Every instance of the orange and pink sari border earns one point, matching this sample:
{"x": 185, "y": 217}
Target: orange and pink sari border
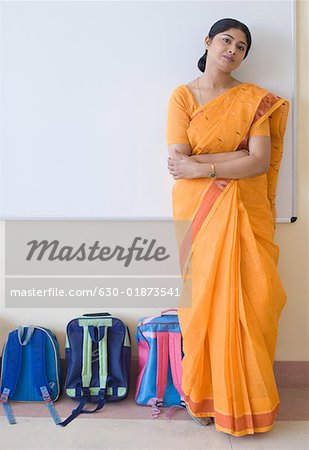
{"x": 209, "y": 199}
{"x": 233, "y": 425}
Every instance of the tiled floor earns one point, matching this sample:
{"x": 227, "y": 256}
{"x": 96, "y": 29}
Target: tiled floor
{"x": 108, "y": 434}
{"x": 125, "y": 425}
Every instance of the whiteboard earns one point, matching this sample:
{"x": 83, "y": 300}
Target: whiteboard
{"x": 84, "y": 95}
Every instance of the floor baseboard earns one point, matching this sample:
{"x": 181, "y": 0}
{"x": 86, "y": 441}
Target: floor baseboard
{"x": 288, "y": 374}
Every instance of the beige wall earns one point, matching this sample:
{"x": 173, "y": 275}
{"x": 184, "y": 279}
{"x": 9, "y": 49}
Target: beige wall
{"x": 292, "y": 239}
{"x": 293, "y": 338}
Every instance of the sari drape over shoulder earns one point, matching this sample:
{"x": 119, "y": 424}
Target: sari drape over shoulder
{"x": 230, "y": 330}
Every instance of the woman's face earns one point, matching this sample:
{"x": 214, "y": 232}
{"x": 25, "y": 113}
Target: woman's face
{"x": 229, "y": 44}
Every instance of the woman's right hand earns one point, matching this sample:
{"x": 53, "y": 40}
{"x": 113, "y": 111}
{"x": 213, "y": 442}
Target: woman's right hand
{"x": 220, "y": 157}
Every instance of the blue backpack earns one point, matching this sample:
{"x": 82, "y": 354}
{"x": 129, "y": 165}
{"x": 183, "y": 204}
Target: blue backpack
{"x": 159, "y": 349}
{"x": 98, "y": 358}
{"x": 30, "y": 369}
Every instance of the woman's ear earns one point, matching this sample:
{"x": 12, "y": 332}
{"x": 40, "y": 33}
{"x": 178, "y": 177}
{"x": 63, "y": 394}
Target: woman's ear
{"x": 206, "y": 42}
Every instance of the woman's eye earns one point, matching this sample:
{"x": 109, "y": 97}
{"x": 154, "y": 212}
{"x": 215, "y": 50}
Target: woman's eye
{"x": 240, "y": 48}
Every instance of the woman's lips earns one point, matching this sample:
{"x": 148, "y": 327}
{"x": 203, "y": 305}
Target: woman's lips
{"x": 228, "y": 59}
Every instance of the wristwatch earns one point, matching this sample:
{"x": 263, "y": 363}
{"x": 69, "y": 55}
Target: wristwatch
{"x": 213, "y": 173}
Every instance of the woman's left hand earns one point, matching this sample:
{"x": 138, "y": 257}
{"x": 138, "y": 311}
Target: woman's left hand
{"x": 182, "y": 166}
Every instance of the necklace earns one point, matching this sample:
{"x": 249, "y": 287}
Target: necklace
{"x": 200, "y": 93}
{"x": 198, "y": 86}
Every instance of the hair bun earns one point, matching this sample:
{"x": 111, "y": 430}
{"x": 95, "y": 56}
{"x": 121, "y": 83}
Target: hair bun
{"x": 202, "y": 62}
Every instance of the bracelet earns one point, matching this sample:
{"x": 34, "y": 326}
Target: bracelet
{"x": 213, "y": 173}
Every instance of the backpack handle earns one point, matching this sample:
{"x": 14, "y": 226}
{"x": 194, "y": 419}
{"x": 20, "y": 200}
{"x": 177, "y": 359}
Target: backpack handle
{"x": 96, "y": 314}
{"x": 167, "y": 310}
{"x": 149, "y": 319}
{"x": 29, "y": 333}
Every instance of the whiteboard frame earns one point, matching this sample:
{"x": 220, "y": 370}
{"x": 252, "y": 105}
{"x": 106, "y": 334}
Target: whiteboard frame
{"x": 294, "y": 118}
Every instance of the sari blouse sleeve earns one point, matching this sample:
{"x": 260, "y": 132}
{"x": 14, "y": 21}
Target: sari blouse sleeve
{"x": 178, "y": 120}
{"x": 261, "y": 130}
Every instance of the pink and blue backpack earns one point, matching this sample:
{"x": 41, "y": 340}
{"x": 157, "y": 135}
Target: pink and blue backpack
{"x": 159, "y": 345}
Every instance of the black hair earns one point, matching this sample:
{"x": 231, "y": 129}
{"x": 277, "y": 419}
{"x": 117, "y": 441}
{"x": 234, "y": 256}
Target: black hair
{"x": 219, "y": 27}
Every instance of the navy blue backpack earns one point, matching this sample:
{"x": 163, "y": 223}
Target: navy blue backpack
{"x": 98, "y": 359}
{"x": 30, "y": 369}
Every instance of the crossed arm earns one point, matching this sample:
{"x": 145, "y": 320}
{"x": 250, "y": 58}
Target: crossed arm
{"x": 233, "y": 165}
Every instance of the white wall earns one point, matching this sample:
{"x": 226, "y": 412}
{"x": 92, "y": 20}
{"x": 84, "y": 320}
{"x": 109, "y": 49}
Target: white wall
{"x": 292, "y": 239}
{"x": 86, "y": 86}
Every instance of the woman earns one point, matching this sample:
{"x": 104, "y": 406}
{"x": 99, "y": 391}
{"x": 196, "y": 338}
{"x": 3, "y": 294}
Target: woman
{"x": 225, "y": 143}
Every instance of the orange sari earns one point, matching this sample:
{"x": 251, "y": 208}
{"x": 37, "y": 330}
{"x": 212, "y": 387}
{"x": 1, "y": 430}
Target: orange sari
{"x": 230, "y": 330}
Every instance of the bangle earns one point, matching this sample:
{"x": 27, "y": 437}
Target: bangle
{"x": 213, "y": 173}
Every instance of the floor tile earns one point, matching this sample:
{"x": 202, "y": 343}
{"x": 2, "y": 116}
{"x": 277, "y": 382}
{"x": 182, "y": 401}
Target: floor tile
{"x": 294, "y": 404}
{"x": 109, "y": 434}
{"x": 292, "y": 435}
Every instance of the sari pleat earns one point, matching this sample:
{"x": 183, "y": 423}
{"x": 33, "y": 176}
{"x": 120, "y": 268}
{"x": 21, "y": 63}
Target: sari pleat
{"x": 230, "y": 330}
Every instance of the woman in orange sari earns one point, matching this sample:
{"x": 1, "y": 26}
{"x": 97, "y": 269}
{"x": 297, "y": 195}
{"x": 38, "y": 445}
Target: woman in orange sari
{"x": 225, "y": 141}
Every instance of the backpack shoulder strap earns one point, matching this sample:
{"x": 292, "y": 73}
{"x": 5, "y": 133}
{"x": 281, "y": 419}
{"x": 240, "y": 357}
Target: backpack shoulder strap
{"x": 162, "y": 365}
{"x": 100, "y": 337}
{"x": 102, "y": 343}
{"x": 175, "y": 362}
{"x": 176, "y": 370}
{"x": 38, "y": 359}
{"x": 162, "y": 373}
{"x": 11, "y": 370}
